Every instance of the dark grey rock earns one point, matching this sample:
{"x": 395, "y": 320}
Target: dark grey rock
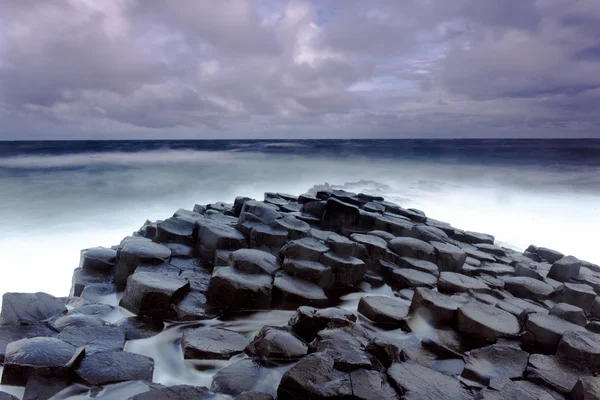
{"x": 551, "y": 372}
{"x": 475, "y": 237}
{"x": 371, "y": 385}
{"x": 495, "y": 363}
{"x": 308, "y": 248}
{"x": 314, "y": 377}
{"x": 6, "y": 396}
{"x": 179, "y": 392}
{"x": 234, "y": 290}
{"x": 580, "y": 347}
{"x": 569, "y": 313}
{"x": 548, "y": 330}
{"x": 98, "y": 291}
{"x": 383, "y": 309}
{"x": 412, "y": 263}
{"x": 28, "y": 308}
{"x": 311, "y": 271}
{"x": 435, "y": 308}
{"x": 276, "y": 344}
{"x": 402, "y": 278}
{"x": 136, "y": 252}
{"x": 26, "y": 357}
{"x": 266, "y": 213}
{"x": 152, "y": 294}
{"x": 548, "y": 254}
{"x": 95, "y": 339}
{"x": 519, "y": 390}
{"x": 214, "y": 236}
{"x": 295, "y": 227}
{"x": 375, "y": 247}
{"x": 486, "y": 322}
{"x": 382, "y": 234}
{"x": 177, "y": 230}
{"x": 84, "y": 278}
{"x": 12, "y": 333}
{"x": 493, "y": 269}
{"x": 290, "y": 292}
{"x": 193, "y": 307}
{"x": 43, "y": 387}
{"x": 396, "y": 225}
{"x": 387, "y": 347}
{"x": 98, "y": 259}
{"x": 212, "y": 343}
{"x": 418, "y": 382}
{"x": 140, "y": 328}
{"x": 348, "y": 271}
{"x": 528, "y": 288}
{"x": 338, "y": 214}
{"x": 451, "y": 282}
{"x": 478, "y": 255}
{"x": 565, "y": 269}
{"x": 264, "y": 236}
{"x": 254, "y": 396}
{"x": 237, "y": 378}
{"x": 428, "y": 233}
{"x": 491, "y": 249}
{"x": 576, "y": 294}
{"x": 449, "y": 257}
{"x": 251, "y": 261}
{"x": 308, "y": 321}
{"x": 413, "y": 248}
{"x": 79, "y": 320}
{"x": 593, "y": 326}
{"x": 111, "y": 367}
{"x": 346, "y": 350}
{"x": 527, "y": 271}
{"x": 586, "y": 388}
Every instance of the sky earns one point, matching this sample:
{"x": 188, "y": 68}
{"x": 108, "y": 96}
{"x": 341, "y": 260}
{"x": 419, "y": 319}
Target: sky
{"x": 157, "y": 69}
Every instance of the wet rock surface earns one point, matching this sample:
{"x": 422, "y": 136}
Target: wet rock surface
{"x": 325, "y": 295}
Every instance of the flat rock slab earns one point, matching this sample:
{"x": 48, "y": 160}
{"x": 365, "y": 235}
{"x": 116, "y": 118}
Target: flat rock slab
{"x": 308, "y": 321}
{"x": 495, "y": 363}
{"x": 435, "y": 308}
{"x": 212, "y": 344}
{"x": 486, "y": 322}
{"x": 291, "y": 292}
{"x": 548, "y": 330}
{"x": 383, "y": 309}
{"x": 98, "y": 258}
{"x": 346, "y": 350}
{"x": 413, "y": 248}
{"x": 418, "y": 382}
{"x": 27, "y": 308}
{"x": 414, "y": 263}
{"x": 314, "y": 377}
{"x": 79, "y": 320}
{"x": 552, "y": 372}
{"x": 25, "y": 356}
{"x": 234, "y": 290}
{"x": 12, "y": 333}
{"x": 140, "y": 328}
{"x": 569, "y": 313}
{"x": 565, "y": 269}
{"x": 403, "y": 278}
{"x": 528, "y": 288}
{"x": 152, "y": 294}
{"x": 451, "y": 282}
{"x": 252, "y": 261}
{"x": 348, "y": 271}
{"x": 371, "y": 385}
{"x": 276, "y": 344}
{"x": 580, "y": 347}
{"x": 577, "y": 294}
{"x": 308, "y": 248}
{"x": 450, "y": 258}
{"x": 111, "y": 367}
{"x": 179, "y": 392}
{"x": 135, "y": 252}
{"x": 312, "y": 271}
{"x": 95, "y": 339}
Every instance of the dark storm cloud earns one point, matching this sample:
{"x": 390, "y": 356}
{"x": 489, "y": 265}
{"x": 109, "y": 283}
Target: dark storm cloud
{"x": 266, "y": 68}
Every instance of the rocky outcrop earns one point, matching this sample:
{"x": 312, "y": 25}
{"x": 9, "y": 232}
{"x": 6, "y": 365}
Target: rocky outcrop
{"x": 325, "y": 295}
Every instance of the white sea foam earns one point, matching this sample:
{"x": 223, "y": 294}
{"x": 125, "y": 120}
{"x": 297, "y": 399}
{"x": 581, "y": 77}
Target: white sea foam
{"x": 48, "y": 215}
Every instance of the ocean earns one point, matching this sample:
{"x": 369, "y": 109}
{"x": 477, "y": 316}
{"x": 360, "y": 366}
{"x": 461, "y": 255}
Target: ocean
{"x": 58, "y": 197}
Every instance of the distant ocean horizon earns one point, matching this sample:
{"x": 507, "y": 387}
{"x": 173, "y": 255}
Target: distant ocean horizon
{"x": 58, "y": 197}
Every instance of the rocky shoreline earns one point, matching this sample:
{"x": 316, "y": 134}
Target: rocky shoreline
{"x": 379, "y": 302}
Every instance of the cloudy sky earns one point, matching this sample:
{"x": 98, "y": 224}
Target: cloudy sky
{"x": 273, "y": 68}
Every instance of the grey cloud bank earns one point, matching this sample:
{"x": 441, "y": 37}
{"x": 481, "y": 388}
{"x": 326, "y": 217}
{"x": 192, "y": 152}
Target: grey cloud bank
{"x": 83, "y": 69}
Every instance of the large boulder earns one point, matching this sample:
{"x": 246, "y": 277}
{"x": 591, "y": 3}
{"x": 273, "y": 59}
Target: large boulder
{"x": 28, "y": 308}
{"x": 418, "y": 382}
{"x": 548, "y": 330}
{"x": 308, "y": 321}
{"x": 98, "y": 259}
{"x": 27, "y": 357}
{"x": 273, "y": 343}
{"x": 308, "y": 248}
{"x": 339, "y": 214}
{"x": 348, "y": 271}
{"x": 251, "y": 261}
{"x": 580, "y": 347}
{"x": 451, "y": 282}
{"x": 314, "y": 377}
{"x": 383, "y": 309}
{"x": 548, "y": 254}
{"x": 486, "y": 322}
{"x": 345, "y": 348}
{"x": 565, "y": 269}
{"x": 290, "y": 292}
{"x": 112, "y": 367}
{"x": 410, "y": 263}
{"x": 296, "y": 228}
{"x": 449, "y": 257}
{"x": 311, "y": 271}
{"x": 136, "y": 252}
{"x": 569, "y": 313}
{"x": 413, "y": 248}
{"x": 528, "y": 288}
{"x": 152, "y": 294}
{"x": 495, "y": 363}
{"x": 212, "y": 343}
{"x": 213, "y": 236}
{"x": 403, "y": 278}
{"x": 234, "y": 290}
{"x": 176, "y": 230}
{"x": 577, "y": 294}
